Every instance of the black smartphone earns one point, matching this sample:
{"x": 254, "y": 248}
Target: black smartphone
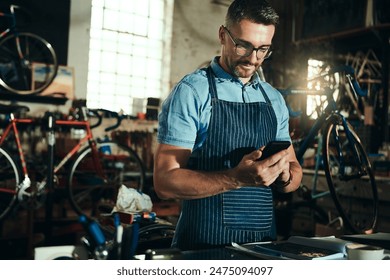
{"x": 273, "y": 147}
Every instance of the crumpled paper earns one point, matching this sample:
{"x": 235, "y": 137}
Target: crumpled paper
{"x": 131, "y": 200}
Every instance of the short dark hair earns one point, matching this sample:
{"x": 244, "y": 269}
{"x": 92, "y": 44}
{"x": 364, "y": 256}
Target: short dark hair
{"x": 257, "y": 11}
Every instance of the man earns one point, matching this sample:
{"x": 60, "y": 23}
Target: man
{"x": 212, "y": 130}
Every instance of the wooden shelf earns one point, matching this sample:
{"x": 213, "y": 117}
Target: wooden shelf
{"x": 4, "y": 95}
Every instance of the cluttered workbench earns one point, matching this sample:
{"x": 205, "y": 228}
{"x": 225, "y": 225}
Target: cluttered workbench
{"x": 135, "y": 242}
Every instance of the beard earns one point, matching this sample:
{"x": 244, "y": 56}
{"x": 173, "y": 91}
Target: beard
{"x": 244, "y": 73}
{"x": 244, "y": 69}
{"x": 240, "y": 68}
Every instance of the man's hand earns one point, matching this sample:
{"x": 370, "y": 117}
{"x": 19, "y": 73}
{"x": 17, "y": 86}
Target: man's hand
{"x": 253, "y": 172}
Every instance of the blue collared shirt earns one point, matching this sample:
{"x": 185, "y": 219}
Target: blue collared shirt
{"x": 185, "y": 114}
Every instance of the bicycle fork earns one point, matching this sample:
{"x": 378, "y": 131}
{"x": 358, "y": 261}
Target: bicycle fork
{"x": 25, "y": 194}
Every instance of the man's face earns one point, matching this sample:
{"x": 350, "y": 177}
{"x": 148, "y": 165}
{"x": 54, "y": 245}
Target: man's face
{"x": 248, "y": 35}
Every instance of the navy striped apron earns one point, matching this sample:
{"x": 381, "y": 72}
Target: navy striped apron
{"x": 242, "y": 215}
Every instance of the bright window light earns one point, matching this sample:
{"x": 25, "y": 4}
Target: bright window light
{"x": 319, "y": 79}
{"x": 129, "y": 53}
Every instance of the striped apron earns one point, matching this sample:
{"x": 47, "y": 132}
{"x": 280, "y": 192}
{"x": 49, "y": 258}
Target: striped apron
{"x": 242, "y": 215}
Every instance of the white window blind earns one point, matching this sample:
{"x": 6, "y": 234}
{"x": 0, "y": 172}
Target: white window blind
{"x": 129, "y": 53}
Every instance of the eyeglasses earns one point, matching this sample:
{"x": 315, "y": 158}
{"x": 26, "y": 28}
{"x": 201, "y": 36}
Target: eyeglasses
{"x": 247, "y": 50}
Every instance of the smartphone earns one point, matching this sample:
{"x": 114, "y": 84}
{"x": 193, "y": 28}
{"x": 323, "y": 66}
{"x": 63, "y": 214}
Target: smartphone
{"x": 273, "y": 147}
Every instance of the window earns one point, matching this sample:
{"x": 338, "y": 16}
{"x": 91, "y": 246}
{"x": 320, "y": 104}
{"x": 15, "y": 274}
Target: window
{"x": 129, "y": 53}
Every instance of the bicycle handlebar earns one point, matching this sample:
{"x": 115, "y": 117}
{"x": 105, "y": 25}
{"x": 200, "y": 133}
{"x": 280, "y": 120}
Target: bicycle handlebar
{"x": 119, "y": 117}
{"x": 355, "y": 86}
{"x": 12, "y": 14}
{"x": 349, "y": 74}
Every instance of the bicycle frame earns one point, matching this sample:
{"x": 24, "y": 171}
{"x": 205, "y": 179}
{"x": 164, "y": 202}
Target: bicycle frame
{"x": 88, "y": 138}
{"x": 329, "y": 112}
{"x": 349, "y": 178}
{"x": 90, "y": 170}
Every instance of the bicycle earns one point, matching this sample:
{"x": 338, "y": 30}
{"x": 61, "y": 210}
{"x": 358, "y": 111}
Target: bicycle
{"x": 99, "y": 167}
{"x": 346, "y": 166}
{"x": 28, "y": 63}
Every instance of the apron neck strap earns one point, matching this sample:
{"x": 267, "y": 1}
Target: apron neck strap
{"x": 212, "y": 85}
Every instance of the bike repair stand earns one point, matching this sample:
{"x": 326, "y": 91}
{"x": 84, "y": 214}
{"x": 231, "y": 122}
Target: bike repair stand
{"x": 50, "y": 176}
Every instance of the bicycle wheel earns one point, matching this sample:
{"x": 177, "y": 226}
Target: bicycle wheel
{"x": 9, "y": 182}
{"x": 350, "y": 177}
{"x": 90, "y": 193}
{"x": 28, "y": 63}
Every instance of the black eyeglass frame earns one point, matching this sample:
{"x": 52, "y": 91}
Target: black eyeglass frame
{"x": 266, "y": 53}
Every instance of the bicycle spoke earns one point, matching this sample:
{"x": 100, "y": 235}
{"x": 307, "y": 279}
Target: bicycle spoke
{"x": 31, "y": 61}
{"x": 88, "y": 189}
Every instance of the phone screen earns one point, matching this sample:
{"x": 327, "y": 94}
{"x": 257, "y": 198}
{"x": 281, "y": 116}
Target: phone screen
{"x": 273, "y": 147}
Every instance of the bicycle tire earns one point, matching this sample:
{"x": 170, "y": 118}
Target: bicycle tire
{"x": 17, "y": 73}
{"x": 350, "y": 178}
{"x": 9, "y": 182}
{"x": 88, "y": 192}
